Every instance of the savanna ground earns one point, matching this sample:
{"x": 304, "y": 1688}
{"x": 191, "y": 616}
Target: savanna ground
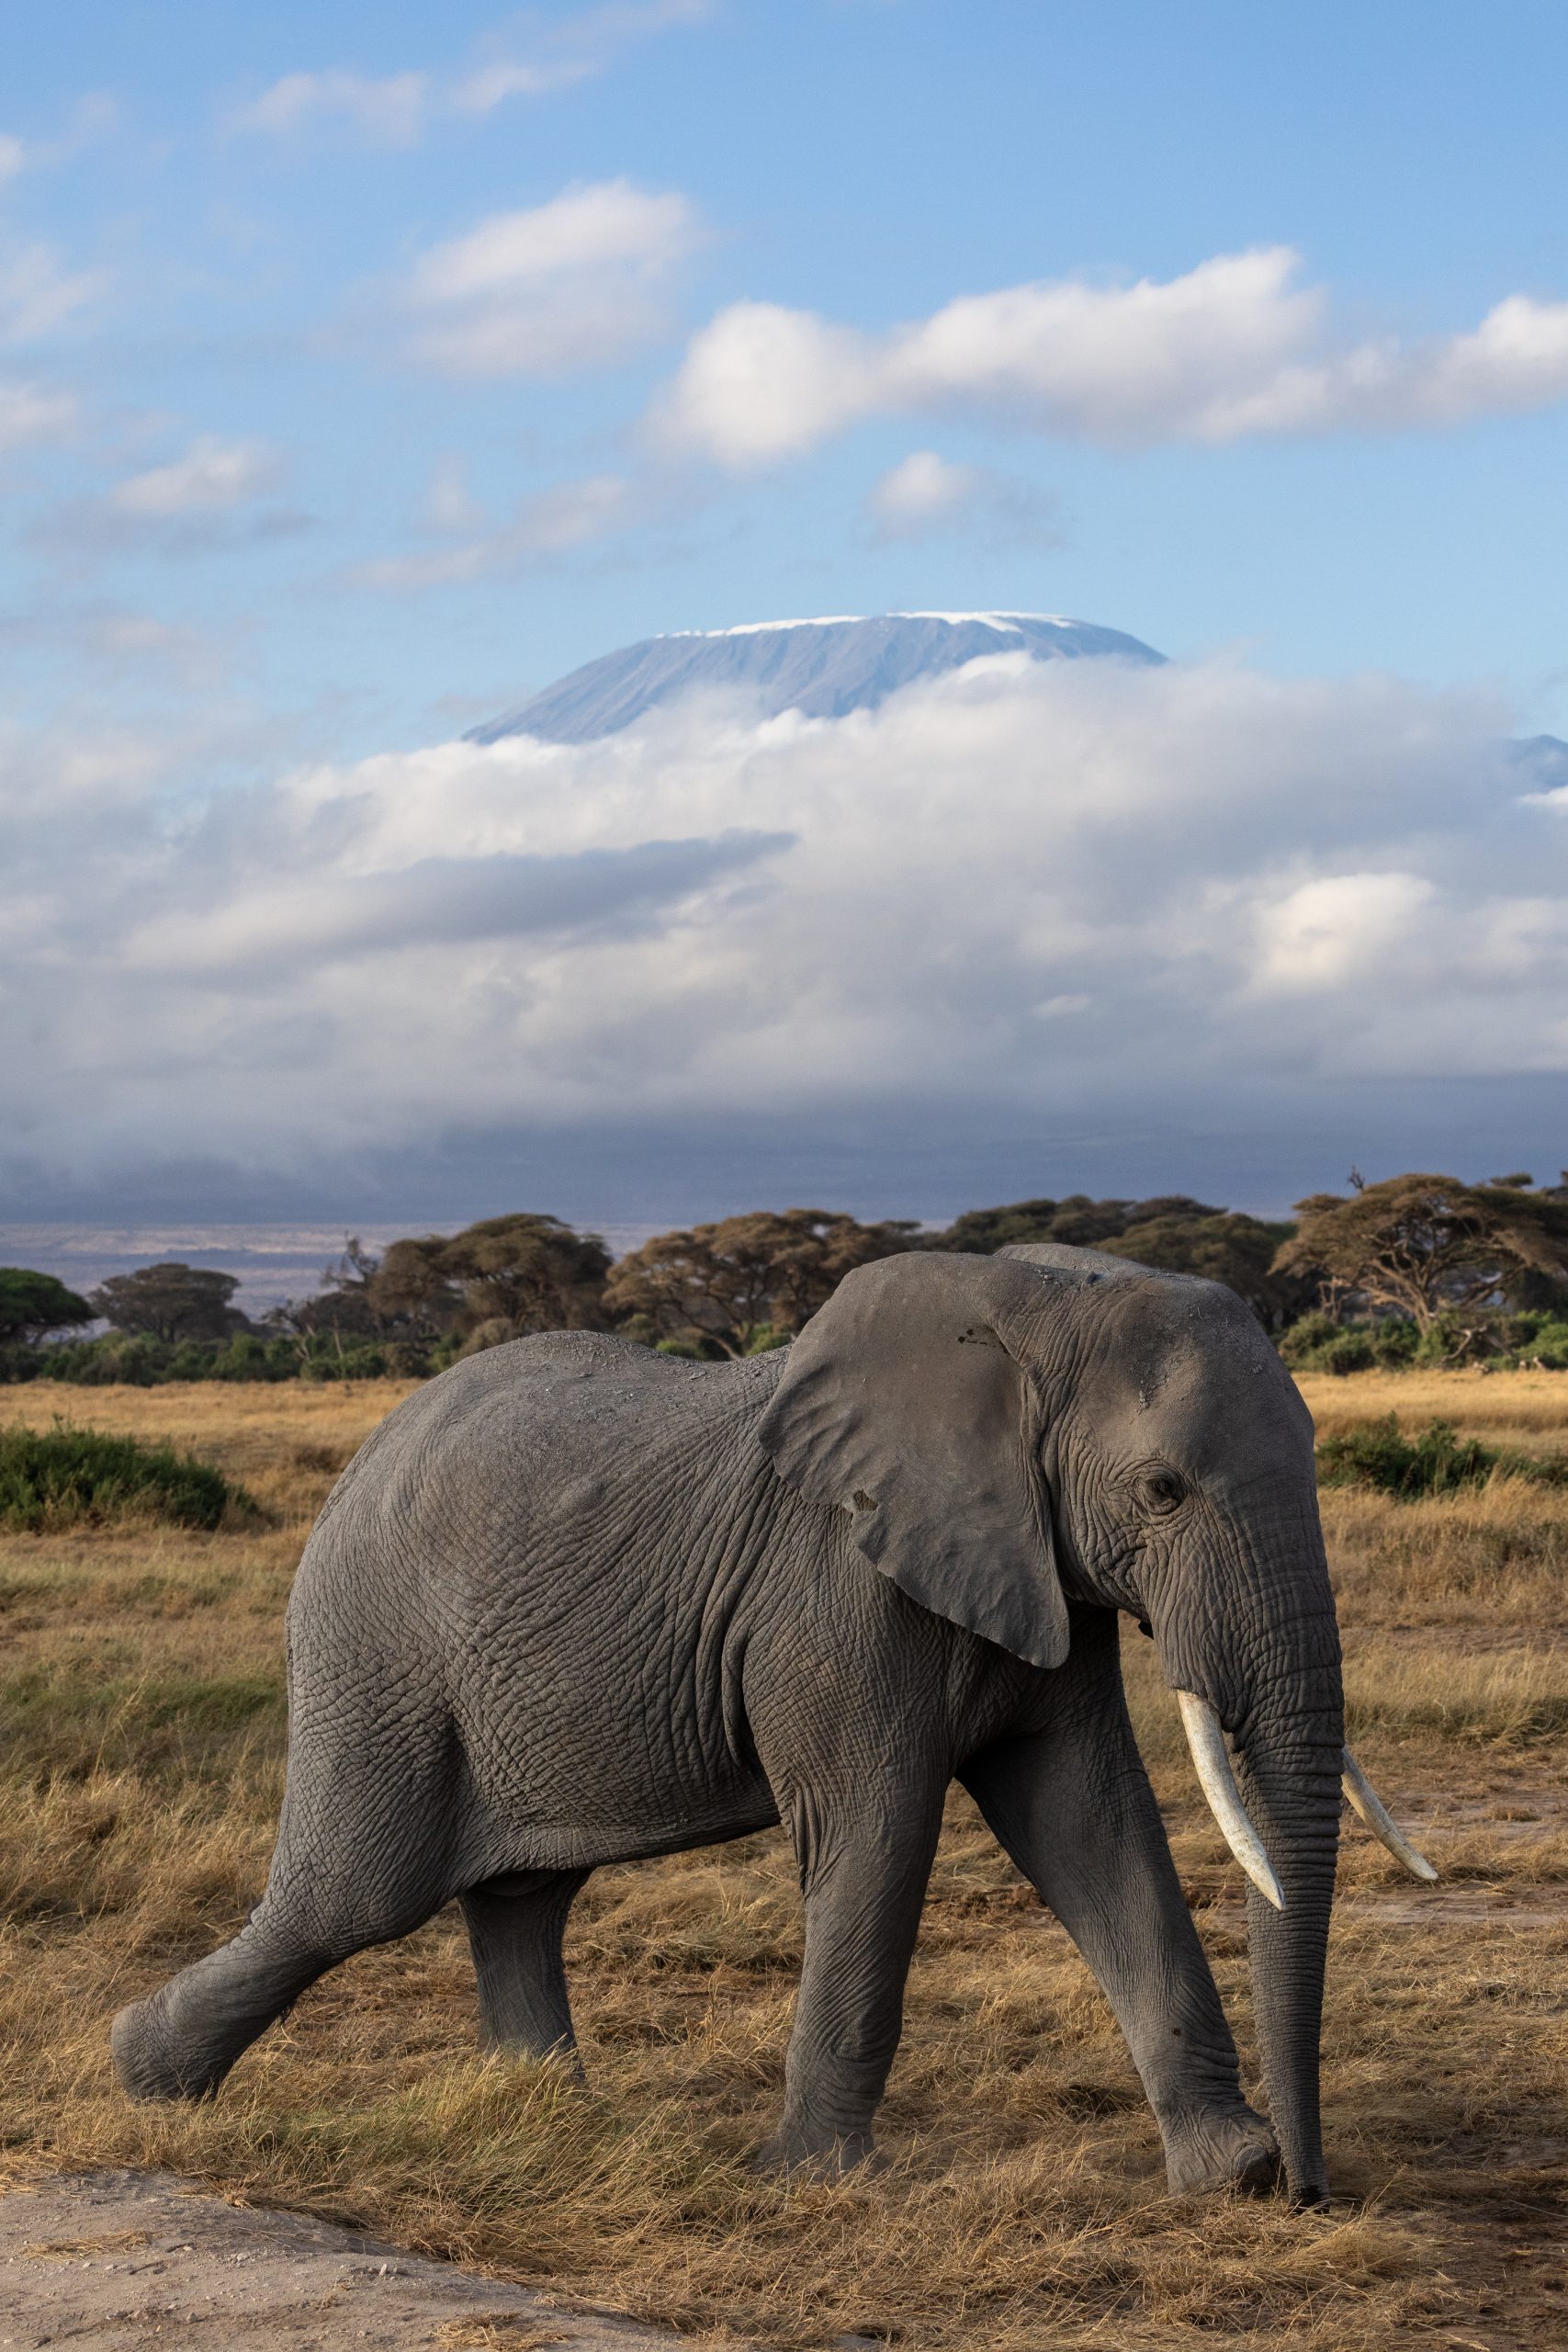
{"x": 1024, "y": 2210}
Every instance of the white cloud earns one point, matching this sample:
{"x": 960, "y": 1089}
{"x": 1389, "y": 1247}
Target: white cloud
{"x": 1235, "y": 347}
{"x": 93, "y": 116}
{"x": 37, "y": 294}
{"x": 922, "y": 489}
{"x": 212, "y": 477}
{"x": 389, "y": 112}
{"x": 573, "y": 283}
{"x": 551, "y": 524}
{"x": 214, "y": 496}
{"x": 572, "y": 51}
{"x": 926, "y": 493}
{"x": 1339, "y": 929}
{"x": 449, "y": 504}
{"x": 1195, "y": 898}
{"x": 397, "y": 109}
{"x": 34, "y": 413}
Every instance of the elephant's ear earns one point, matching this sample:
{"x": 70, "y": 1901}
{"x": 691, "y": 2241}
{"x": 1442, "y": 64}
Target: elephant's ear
{"x": 903, "y": 1404}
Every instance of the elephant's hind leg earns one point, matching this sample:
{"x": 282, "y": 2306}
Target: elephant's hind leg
{"x": 181, "y": 2041}
{"x": 515, "y": 1924}
{"x": 363, "y": 1856}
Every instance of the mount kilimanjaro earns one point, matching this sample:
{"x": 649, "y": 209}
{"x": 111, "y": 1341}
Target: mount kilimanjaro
{"x": 822, "y": 668}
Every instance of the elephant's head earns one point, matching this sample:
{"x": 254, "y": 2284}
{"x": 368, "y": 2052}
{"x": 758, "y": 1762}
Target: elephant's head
{"x": 1007, "y": 1432}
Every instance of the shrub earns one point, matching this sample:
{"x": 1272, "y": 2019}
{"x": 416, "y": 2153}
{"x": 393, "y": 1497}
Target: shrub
{"x": 1317, "y": 1343}
{"x": 1436, "y": 1461}
{"x": 58, "y": 1478}
{"x": 1542, "y": 1340}
{"x": 145, "y": 1363}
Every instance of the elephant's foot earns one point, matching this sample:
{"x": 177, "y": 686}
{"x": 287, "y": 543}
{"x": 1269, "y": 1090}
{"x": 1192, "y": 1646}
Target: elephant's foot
{"x": 149, "y": 2062}
{"x": 803, "y": 2155}
{"x": 1221, "y": 2149}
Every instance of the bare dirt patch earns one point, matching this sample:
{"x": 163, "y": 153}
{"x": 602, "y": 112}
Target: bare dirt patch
{"x": 120, "y": 2261}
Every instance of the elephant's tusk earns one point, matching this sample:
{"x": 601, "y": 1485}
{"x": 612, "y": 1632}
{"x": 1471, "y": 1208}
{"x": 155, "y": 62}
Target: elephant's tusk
{"x": 1364, "y": 1801}
{"x": 1213, "y": 1765}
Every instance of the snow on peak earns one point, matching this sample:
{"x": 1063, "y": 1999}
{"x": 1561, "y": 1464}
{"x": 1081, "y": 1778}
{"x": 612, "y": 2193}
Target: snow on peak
{"x": 823, "y": 667}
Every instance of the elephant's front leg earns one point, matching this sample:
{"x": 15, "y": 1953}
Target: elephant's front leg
{"x": 1074, "y": 1808}
{"x": 864, "y": 1870}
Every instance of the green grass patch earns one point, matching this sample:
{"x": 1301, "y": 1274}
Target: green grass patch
{"x": 1435, "y": 1460}
{"x": 63, "y": 1476}
{"x": 61, "y": 1718}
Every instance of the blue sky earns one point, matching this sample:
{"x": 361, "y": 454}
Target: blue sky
{"x": 867, "y": 163}
{"x": 365, "y": 367}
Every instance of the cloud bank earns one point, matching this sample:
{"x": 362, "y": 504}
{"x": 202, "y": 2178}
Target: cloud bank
{"x": 1232, "y": 350}
{"x": 1191, "y": 901}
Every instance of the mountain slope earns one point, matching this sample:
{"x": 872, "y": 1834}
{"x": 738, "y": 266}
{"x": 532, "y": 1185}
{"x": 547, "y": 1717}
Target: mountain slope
{"x": 824, "y": 668}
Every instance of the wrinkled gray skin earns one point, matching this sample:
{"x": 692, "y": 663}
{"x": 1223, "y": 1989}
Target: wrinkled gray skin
{"x": 574, "y": 1602}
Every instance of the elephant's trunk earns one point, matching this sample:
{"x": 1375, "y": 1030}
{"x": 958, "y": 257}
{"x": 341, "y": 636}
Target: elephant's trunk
{"x": 1288, "y": 1756}
{"x": 1265, "y": 1664}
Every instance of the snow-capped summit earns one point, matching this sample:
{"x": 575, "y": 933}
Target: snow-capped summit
{"x": 823, "y": 668}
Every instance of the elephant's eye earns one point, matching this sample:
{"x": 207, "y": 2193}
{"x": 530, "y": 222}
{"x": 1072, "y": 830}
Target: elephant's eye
{"x": 1162, "y": 1490}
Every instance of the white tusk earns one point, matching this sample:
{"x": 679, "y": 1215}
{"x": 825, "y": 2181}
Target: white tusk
{"x": 1364, "y": 1802}
{"x": 1213, "y": 1765}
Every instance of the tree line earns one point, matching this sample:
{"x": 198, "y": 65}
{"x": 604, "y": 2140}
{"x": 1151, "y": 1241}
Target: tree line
{"x": 1413, "y": 1269}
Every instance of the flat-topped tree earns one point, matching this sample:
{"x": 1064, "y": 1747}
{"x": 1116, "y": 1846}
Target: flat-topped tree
{"x": 530, "y": 1271}
{"x": 745, "y": 1282}
{"x": 171, "y": 1301}
{"x": 1417, "y": 1245}
{"x": 1221, "y": 1246}
{"x": 33, "y": 1304}
{"x": 503, "y": 1277}
{"x": 1080, "y": 1221}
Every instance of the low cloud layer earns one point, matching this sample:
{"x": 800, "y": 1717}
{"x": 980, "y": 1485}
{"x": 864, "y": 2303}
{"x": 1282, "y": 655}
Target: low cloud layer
{"x": 1189, "y": 900}
{"x": 1231, "y": 350}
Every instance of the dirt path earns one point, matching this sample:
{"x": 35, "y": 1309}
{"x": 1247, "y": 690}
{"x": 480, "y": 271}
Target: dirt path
{"x": 130, "y": 2261}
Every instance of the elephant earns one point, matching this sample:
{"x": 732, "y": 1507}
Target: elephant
{"x": 575, "y": 1602}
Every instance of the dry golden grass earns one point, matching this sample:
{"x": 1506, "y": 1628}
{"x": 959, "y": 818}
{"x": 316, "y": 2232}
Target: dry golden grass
{"x": 1025, "y": 2207}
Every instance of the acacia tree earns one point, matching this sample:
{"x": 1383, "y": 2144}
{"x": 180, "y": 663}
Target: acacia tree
{"x": 1416, "y": 1245}
{"x": 1080, "y": 1222}
{"x": 528, "y": 1272}
{"x": 171, "y": 1301}
{"x": 746, "y": 1282}
{"x": 32, "y": 1305}
{"x": 503, "y": 1277}
{"x": 1171, "y": 1230}
{"x": 1222, "y": 1246}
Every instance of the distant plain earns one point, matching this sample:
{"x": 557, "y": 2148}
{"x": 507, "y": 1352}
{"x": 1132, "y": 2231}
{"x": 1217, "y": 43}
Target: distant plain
{"x": 140, "y": 1746}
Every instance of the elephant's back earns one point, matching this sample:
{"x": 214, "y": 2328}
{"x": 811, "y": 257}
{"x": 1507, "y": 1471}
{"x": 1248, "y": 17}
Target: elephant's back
{"x": 481, "y": 1471}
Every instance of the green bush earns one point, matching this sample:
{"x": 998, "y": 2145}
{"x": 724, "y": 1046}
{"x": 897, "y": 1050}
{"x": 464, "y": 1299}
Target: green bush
{"x": 1541, "y": 1339}
{"x": 58, "y": 1478}
{"x": 1317, "y": 1343}
{"x": 1436, "y": 1461}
